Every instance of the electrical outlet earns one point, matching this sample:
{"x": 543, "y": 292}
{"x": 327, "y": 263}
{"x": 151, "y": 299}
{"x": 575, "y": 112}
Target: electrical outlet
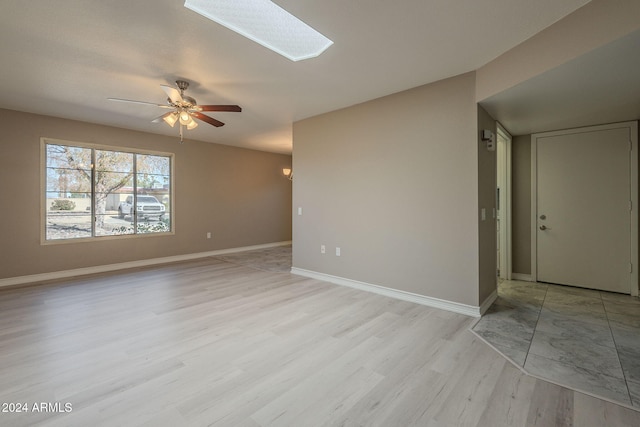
{"x": 337, "y": 251}
{"x": 208, "y": 234}
{"x": 323, "y": 249}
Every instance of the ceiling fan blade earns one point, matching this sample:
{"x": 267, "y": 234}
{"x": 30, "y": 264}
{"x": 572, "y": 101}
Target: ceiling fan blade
{"x": 207, "y": 119}
{"x": 139, "y": 102}
{"x": 172, "y": 93}
{"x": 233, "y": 108}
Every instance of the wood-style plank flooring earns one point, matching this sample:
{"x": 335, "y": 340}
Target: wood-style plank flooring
{"x": 208, "y": 342}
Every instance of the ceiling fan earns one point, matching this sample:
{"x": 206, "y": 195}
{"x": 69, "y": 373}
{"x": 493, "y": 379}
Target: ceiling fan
{"x": 184, "y": 108}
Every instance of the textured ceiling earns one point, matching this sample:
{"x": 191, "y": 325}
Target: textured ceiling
{"x": 64, "y": 58}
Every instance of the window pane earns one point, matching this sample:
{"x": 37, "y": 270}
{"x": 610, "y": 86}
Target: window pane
{"x": 79, "y": 195}
{"x": 62, "y": 224}
{"x": 151, "y": 214}
{"x": 113, "y": 178}
{"x": 154, "y": 188}
{"x": 65, "y": 156}
{"x": 64, "y": 181}
{"x": 68, "y": 192}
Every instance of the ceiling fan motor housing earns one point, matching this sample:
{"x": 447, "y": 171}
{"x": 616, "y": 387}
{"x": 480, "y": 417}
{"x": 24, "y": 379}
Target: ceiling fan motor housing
{"x": 182, "y": 85}
{"x": 187, "y": 101}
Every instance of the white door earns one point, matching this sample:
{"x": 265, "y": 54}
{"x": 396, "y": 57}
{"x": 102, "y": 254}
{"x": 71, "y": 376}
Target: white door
{"x": 583, "y": 223}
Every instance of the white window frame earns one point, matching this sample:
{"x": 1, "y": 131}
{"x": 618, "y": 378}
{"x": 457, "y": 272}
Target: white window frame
{"x": 44, "y": 141}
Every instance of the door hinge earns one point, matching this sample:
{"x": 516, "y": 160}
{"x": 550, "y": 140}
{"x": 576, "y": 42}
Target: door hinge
{"x": 630, "y": 205}
{"x": 630, "y": 268}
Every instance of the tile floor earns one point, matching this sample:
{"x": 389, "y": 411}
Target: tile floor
{"x": 583, "y": 339}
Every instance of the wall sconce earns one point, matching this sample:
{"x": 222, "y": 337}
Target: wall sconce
{"x": 490, "y": 138}
{"x": 288, "y": 173}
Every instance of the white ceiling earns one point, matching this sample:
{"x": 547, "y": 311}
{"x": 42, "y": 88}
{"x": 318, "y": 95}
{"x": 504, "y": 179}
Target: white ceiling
{"x": 601, "y": 86}
{"x": 64, "y": 58}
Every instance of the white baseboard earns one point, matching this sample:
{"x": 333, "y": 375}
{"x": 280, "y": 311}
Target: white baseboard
{"x": 34, "y": 278}
{"x": 467, "y": 310}
{"x": 487, "y": 302}
{"x": 522, "y": 277}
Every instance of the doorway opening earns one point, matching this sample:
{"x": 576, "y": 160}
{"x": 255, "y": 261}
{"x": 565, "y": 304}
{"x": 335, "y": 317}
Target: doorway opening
{"x": 503, "y": 203}
{"x": 584, "y": 224}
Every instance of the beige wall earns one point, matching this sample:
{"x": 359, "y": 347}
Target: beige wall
{"x": 521, "y": 204}
{"x": 487, "y": 228}
{"x": 393, "y": 182}
{"x": 373, "y": 180}
{"x": 593, "y": 25}
{"x": 597, "y": 23}
{"x": 239, "y": 195}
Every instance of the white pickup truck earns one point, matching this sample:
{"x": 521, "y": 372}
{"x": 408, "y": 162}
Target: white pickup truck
{"x": 148, "y": 206}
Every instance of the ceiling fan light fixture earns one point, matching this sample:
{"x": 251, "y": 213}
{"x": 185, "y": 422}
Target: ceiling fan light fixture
{"x": 185, "y": 109}
{"x": 171, "y": 119}
{"x": 185, "y": 118}
{"x": 265, "y": 23}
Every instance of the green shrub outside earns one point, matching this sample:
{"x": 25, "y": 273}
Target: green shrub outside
{"x": 63, "y": 205}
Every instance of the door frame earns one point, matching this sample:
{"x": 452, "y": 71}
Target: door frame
{"x": 504, "y": 164}
{"x": 633, "y": 136}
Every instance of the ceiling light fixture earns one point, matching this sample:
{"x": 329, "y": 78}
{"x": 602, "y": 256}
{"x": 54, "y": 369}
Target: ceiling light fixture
{"x": 184, "y": 118}
{"x": 265, "y": 23}
{"x": 185, "y": 108}
{"x": 171, "y": 119}
{"x": 192, "y": 124}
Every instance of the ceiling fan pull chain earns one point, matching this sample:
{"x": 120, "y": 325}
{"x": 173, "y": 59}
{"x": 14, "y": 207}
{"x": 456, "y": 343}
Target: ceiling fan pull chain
{"x": 181, "y": 140}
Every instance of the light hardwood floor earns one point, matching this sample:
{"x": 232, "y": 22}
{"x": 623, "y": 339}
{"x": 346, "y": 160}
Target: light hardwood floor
{"x": 213, "y": 343}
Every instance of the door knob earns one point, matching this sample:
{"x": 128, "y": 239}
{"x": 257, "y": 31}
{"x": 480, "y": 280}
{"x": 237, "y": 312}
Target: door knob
{"x": 543, "y": 217}
{"x": 543, "y": 227}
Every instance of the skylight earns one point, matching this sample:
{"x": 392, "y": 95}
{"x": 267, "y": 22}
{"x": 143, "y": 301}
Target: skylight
{"x": 266, "y": 23}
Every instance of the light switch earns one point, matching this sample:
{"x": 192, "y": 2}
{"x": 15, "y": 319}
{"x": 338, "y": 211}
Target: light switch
{"x": 337, "y": 251}
{"x": 300, "y": 211}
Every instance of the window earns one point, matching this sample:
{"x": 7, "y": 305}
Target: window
{"x": 93, "y": 191}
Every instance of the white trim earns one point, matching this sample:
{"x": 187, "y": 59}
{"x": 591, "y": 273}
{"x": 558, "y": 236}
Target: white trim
{"x": 34, "y": 278}
{"x": 487, "y": 302}
{"x": 505, "y": 214}
{"x": 522, "y": 277}
{"x": 44, "y": 141}
{"x": 534, "y": 208}
{"x": 633, "y": 135}
{"x": 635, "y": 286}
{"x": 467, "y": 310}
